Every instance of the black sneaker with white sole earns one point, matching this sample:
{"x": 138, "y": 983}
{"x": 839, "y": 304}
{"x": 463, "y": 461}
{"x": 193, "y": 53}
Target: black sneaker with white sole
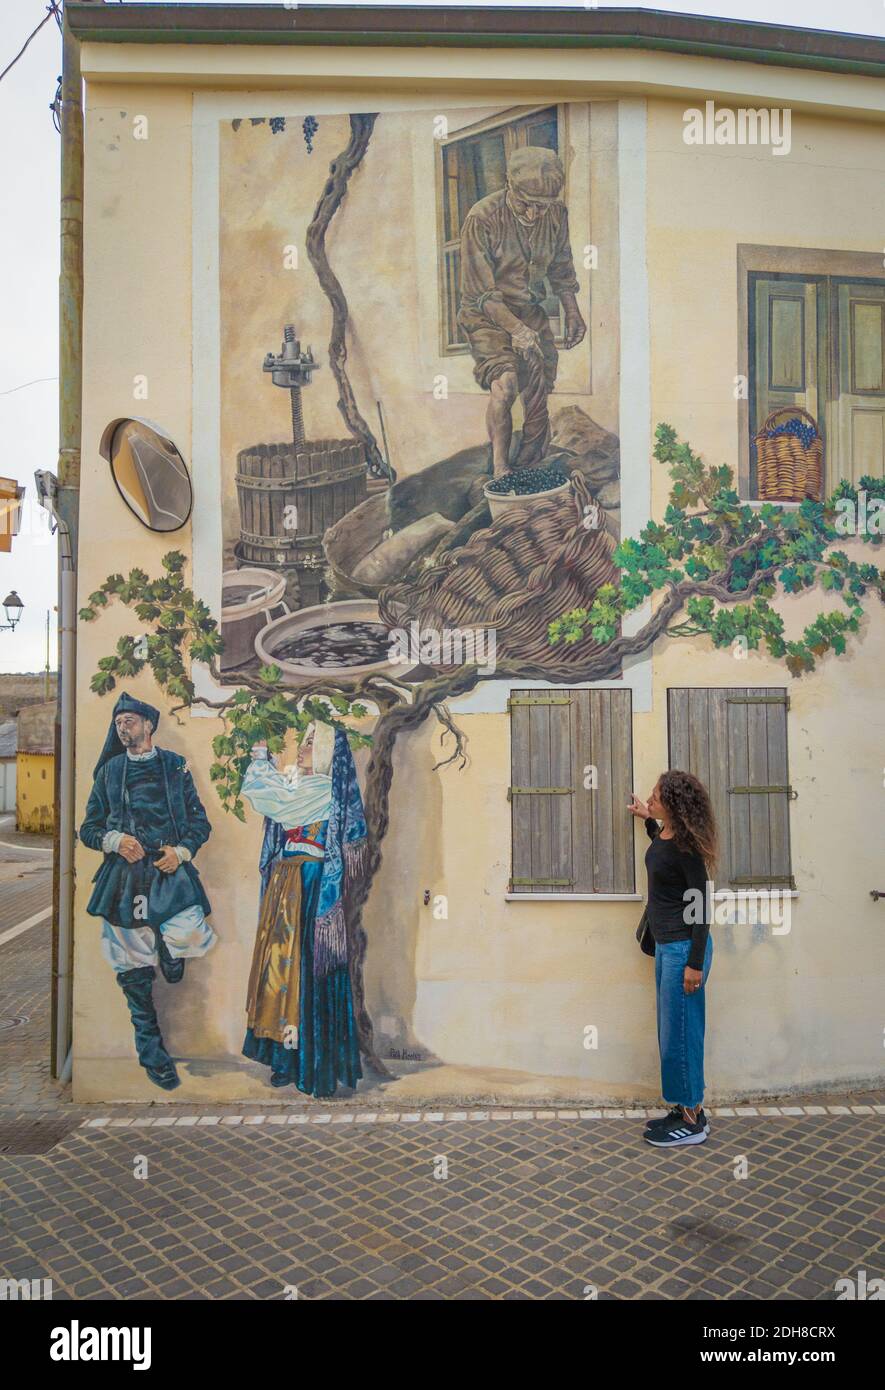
{"x": 663, "y": 1121}
{"x": 678, "y": 1132}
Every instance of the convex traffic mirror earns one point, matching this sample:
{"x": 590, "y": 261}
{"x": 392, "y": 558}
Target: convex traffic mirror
{"x": 150, "y": 474}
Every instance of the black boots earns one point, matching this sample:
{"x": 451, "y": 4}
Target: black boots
{"x": 137, "y": 985}
{"x": 171, "y": 968}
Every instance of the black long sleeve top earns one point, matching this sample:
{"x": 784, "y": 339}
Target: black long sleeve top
{"x": 677, "y": 895}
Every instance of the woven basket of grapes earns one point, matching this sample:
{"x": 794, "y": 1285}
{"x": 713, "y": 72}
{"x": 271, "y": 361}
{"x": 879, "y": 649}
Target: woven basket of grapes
{"x": 789, "y": 456}
{"x": 523, "y": 486}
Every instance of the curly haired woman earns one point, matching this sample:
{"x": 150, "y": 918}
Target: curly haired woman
{"x": 679, "y": 861}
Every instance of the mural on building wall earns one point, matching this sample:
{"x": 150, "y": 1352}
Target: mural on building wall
{"x": 335, "y": 542}
{"x": 370, "y": 578}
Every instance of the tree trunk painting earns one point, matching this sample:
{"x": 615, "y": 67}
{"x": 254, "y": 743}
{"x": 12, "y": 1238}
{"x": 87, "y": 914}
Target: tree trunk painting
{"x": 340, "y": 171}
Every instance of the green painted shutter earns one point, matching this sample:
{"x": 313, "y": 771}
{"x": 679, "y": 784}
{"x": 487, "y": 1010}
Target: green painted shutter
{"x": 735, "y": 741}
{"x": 860, "y": 407}
{"x": 787, "y": 366}
{"x": 568, "y": 838}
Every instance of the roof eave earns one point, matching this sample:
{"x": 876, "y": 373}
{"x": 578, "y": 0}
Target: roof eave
{"x": 388, "y": 26}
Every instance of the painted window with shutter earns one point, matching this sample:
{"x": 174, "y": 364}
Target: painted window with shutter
{"x": 735, "y": 741}
{"x": 817, "y": 343}
{"x": 571, "y": 778}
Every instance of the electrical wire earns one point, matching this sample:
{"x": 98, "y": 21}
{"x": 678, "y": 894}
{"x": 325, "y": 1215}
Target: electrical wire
{"x": 51, "y": 11}
{"x": 35, "y": 382}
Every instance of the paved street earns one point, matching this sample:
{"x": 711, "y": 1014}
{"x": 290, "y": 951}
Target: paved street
{"x": 481, "y": 1209}
{"x": 25, "y": 965}
{"x": 348, "y": 1202}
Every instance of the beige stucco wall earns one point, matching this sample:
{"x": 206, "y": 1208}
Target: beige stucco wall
{"x": 501, "y": 993}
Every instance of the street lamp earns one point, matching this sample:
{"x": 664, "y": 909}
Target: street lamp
{"x": 12, "y": 607}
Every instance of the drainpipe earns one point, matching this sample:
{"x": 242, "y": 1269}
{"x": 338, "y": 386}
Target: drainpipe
{"x": 66, "y": 513}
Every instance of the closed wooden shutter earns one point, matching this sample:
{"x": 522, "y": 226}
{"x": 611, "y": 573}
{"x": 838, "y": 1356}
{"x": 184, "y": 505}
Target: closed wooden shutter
{"x": 860, "y": 405}
{"x": 568, "y": 837}
{"x": 735, "y": 741}
{"x": 788, "y": 366}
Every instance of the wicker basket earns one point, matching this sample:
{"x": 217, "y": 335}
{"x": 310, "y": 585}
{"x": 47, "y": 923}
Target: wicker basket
{"x": 787, "y": 471}
{"x": 516, "y": 576}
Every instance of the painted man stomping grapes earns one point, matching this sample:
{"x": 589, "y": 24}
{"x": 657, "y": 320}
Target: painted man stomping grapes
{"x": 510, "y": 241}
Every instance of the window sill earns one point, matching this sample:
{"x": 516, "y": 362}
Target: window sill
{"x": 721, "y": 895}
{"x": 745, "y": 891}
{"x": 758, "y": 502}
{"x": 573, "y": 897}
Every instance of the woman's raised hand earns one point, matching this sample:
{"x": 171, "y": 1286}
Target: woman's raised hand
{"x": 637, "y": 807}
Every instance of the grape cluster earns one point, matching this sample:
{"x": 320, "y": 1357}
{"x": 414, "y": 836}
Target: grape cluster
{"x": 801, "y": 429}
{"x": 523, "y": 481}
{"x": 310, "y": 125}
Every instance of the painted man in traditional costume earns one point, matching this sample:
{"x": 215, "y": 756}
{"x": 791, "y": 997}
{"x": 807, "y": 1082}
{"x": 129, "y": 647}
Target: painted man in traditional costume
{"x": 300, "y": 1011}
{"x": 145, "y": 815}
{"x": 511, "y": 241}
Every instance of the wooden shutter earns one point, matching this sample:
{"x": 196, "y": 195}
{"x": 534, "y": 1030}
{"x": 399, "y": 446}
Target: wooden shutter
{"x": 735, "y": 741}
{"x": 567, "y": 838}
{"x": 786, "y": 345}
{"x": 787, "y": 365}
{"x": 860, "y": 405}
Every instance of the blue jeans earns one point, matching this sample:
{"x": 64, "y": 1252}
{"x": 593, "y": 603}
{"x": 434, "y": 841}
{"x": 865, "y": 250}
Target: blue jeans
{"x": 680, "y": 1024}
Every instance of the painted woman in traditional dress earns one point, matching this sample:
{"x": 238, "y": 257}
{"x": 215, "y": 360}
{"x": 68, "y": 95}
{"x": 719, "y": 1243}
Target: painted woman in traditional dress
{"x": 300, "y": 1010}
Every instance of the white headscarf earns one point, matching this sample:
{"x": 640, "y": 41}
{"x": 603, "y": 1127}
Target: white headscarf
{"x": 323, "y": 746}
{"x": 323, "y": 750}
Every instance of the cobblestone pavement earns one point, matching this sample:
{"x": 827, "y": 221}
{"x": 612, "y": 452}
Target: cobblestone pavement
{"x": 346, "y": 1202}
{"x": 482, "y": 1209}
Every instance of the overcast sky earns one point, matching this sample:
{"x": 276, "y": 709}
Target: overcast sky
{"x": 29, "y": 262}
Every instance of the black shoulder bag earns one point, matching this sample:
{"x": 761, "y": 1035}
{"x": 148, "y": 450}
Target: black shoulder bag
{"x": 644, "y": 935}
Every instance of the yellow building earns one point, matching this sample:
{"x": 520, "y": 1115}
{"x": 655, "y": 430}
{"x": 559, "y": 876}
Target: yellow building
{"x": 35, "y": 769}
{"x": 725, "y": 199}
{"x": 35, "y": 774}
